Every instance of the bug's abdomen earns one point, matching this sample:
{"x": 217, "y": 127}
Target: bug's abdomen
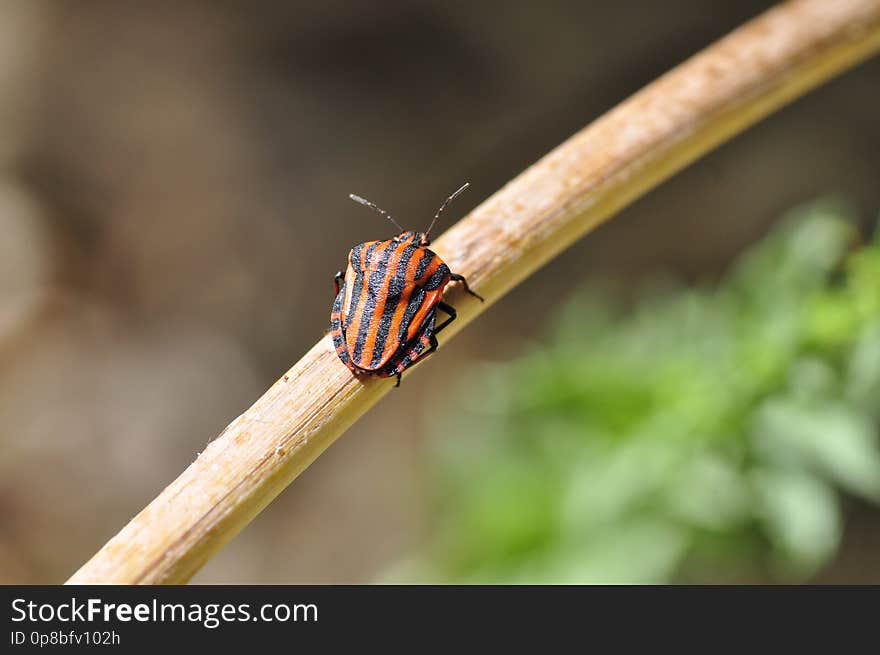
{"x": 391, "y": 289}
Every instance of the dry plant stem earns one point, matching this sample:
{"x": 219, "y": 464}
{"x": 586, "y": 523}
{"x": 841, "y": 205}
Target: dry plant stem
{"x": 701, "y": 103}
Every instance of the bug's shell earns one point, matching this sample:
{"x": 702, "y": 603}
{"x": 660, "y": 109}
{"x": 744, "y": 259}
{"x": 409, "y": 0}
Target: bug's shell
{"x": 384, "y": 313}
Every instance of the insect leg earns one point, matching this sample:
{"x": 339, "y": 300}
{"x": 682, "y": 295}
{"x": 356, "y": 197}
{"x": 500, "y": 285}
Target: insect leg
{"x": 432, "y": 340}
{"x": 455, "y": 277}
{"x": 449, "y": 309}
{"x": 337, "y": 279}
{"x": 415, "y": 351}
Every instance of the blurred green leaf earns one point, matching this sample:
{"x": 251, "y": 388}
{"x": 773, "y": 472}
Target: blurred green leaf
{"x": 701, "y": 432}
{"x": 829, "y": 438}
{"x": 801, "y": 517}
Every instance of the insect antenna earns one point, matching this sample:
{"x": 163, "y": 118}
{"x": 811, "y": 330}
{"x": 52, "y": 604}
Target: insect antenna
{"x": 446, "y": 202}
{"x": 373, "y": 206}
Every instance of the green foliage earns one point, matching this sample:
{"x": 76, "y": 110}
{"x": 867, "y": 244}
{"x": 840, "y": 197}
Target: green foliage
{"x": 701, "y": 434}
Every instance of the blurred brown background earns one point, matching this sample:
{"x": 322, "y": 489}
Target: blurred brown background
{"x": 173, "y": 205}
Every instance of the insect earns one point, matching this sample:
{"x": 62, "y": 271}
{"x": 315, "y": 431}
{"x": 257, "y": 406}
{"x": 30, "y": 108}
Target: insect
{"x": 384, "y": 318}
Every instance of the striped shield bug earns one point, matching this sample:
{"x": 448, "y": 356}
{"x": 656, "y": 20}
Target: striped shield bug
{"x": 384, "y": 317}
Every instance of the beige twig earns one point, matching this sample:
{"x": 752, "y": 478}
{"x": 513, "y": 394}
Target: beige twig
{"x": 701, "y": 103}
